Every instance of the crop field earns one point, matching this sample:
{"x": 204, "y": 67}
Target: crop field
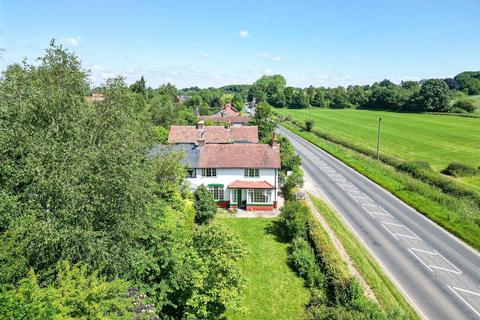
{"x": 437, "y": 139}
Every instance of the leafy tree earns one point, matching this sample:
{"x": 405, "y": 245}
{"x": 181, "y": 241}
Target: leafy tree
{"x": 288, "y": 159}
{"x": 163, "y": 110}
{"x": 238, "y": 102}
{"x": 339, "y": 99}
{"x": 263, "y": 119}
{"x": 268, "y": 89}
{"x": 385, "y": 98}
{"x": 319, "y": 99}
{"x": 73, "y": 294}
{"x": 451, "y": 83}
{"x": 74, "y": 172}
{"x": 469, "y": 82}
{"x": 357, "y": 96}
{"x": 300, "y": 100}
{"x": 139, "y": 87}
{"x": 434, "y": 96}
{"x": 204, "y": 204}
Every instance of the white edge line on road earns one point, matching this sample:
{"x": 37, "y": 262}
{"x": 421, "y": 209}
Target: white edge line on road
{"x": 426, "y": 265}
{"x": 464, "y": 301}
{"x": 392, "y": 278}
{"x": 460, "y": 241}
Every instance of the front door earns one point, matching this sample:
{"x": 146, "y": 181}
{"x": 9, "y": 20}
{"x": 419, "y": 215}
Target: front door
{"x": 239, "y": 198}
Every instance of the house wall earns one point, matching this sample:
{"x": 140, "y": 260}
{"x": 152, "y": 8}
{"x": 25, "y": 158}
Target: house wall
{"x": 227, "y": 176}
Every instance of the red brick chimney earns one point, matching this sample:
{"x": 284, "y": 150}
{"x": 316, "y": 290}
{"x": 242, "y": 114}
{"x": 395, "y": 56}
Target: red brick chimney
{"x": 201, "y": 142}
{"x": 274, "y": 141}
{"x": 228, "y": 125}
{"x": 200, "y": 125}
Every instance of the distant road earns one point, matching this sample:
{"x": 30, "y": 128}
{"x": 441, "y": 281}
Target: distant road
{"x": 438, "y": 273}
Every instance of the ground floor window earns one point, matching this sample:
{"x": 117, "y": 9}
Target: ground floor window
{"x": 191, "y": 173}
{"x": 217, "y": 192}
{"x": 259, "y": 196}
{"x": 233, "y": 193}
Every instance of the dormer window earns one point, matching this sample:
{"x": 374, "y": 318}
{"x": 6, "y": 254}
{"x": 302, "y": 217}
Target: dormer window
{"x": 252, "y": 173}
{"x": 209, "y": 172}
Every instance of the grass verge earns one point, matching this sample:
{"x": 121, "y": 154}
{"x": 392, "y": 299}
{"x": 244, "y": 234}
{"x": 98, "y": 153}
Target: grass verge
{"x": 458, "y": 216}
{"x": 273, "y": 290}
{"x": 387, "y": 294}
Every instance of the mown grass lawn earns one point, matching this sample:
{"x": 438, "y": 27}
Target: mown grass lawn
{"x": 273, "y": 290}
{"x": 437, "y": 139}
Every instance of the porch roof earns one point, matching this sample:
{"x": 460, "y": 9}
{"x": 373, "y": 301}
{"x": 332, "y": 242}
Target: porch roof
{"x": 238, "y": 184}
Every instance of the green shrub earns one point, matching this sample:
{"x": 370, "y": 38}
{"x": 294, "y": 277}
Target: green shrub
{"x": 294, "y": 216}
{"x": 457, "y": 110}
{"x": 309, "y": 124}
{"x": 204, "y": 204}
{"x": 465, "y": 104}
{"x": 413, "y": 167}
{"x": 302, "y": 259}
{"x": 460, "y": 170}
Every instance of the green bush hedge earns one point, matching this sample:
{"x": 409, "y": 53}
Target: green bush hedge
{"x": 294, "y": 216}
{"x": 302, "y": 259}
{"x": 456, "y": 169}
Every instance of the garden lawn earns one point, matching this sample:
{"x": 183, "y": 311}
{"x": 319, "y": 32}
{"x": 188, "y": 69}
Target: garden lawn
{"x": 437, "y": 139}
{"x": 273, "y": 290}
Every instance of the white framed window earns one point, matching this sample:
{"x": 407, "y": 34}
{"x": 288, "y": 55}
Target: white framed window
{"x": 259, "y": 196}
{"x": 233, "y": 193}
{"x": 216, "y": 191}
{"x": 209, "y": 172}
{"x": 252, "y": 172}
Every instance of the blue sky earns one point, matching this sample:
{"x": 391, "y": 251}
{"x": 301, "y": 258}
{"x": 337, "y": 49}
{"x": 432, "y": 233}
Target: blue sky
{"x": 213, "y": 43}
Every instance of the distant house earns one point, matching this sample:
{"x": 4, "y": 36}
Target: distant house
{"x": 229, "y": 161}
{"x": 228, "y": 114}
{"x": 96, "y": 96}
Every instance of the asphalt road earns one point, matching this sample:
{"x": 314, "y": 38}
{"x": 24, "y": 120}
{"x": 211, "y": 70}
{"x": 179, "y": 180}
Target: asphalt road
{"x": 438, "y": 273}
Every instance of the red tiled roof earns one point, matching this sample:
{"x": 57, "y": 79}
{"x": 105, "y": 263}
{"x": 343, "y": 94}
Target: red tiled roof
{"x": 213, "y": 134}
{"x": 228, "y": 110}
{"x": 232, "y": 119}
{"x": 237, "y": 184}
{"x": 239, "y": 156}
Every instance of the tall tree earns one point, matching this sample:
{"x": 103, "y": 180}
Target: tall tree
{"x": 263, "y": 119}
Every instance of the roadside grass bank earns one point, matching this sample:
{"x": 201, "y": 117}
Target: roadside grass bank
{"x": 335, "y": 293}
{"x": 273, "y": 290}
{"x": 460, "y": 216}
{"x": 386, "y": 293}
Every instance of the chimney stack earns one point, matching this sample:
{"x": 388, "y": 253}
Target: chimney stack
{"x": 274, "y": 141}
{"x": 200, "y": 125}
{"x": 228, "y": 125}
{"x": 201, "y": 142}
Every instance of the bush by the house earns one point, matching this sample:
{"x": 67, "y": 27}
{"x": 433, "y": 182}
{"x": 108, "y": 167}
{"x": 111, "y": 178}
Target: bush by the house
{"x": 302, "y": 259}
{"x": 456, "y": 169}
{"x": 291, "y": 183}
{"x": 204, "y": 204}
{"x": 294, "y": 216}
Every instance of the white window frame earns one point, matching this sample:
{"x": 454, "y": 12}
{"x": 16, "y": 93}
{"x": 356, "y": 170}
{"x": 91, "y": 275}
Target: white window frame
{"x": 252, "y": 172}
{"x": 217, "y": 192}
{"x": 234, "y": 196}
{"x": 259, "y": 196}
{"x": 209, "y": 172}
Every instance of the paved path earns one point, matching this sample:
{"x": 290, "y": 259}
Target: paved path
{"x": 438, "y": 273}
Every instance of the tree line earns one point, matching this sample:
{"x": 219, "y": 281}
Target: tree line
{"x": 432, "y": 95}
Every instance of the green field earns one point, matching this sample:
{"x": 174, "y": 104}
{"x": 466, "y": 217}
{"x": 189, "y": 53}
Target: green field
{"x": 273, "y": 290}
{"x": 437, "y": 139}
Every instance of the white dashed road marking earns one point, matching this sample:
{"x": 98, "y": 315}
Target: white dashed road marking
{"x": 399, "y": 230}
{"x": 468, "y": 297}
{"x": 434, "y": 260}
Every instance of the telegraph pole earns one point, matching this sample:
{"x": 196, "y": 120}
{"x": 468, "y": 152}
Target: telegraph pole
{"x": 378, "y": 139}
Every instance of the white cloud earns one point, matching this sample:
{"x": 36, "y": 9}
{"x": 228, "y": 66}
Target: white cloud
{"x": 244, "y": 33}
{"x": 72, "y": 41}
{"x": 204, "y": 54}
{"x": 268, "y": 56}
{"x": 268, "y": 71}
